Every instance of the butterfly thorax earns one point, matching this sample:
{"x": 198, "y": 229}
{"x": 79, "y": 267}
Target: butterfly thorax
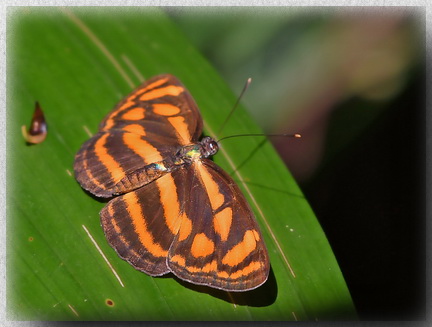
{"x": 196, "y": 151}
{"x": 186, "y": 155}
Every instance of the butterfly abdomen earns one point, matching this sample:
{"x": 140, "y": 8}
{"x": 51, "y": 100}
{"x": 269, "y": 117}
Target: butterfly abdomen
{"x": 185, "y": 155}
{"x": 144, "y": 175}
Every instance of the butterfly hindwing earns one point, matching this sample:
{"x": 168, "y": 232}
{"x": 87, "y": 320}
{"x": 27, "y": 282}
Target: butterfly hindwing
{"x": 193, "y": 222}
{"x": 141, "y": 225}
{"x": 224, "y": 248}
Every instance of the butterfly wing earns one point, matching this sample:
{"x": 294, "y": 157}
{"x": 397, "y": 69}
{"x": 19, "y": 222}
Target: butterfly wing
{"x": 194, "y": 222}
{"x": 223, "y": 247}
{"x": 141, "y": 225}
{"x": 159, "y": 102}
{"x": 147, "y": 127}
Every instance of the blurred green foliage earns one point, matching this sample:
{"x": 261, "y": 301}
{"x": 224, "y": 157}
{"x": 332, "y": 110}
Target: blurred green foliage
{"x": 306, "y": 63}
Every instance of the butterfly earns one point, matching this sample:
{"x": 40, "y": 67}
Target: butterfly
{"x": 173, "y": 210}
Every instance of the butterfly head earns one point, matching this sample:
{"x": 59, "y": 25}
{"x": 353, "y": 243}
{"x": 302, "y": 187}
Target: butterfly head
{"x": 209, "y": 147}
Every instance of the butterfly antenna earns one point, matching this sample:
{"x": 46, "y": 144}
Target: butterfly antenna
{"x": 249, "y": 80}
{"x": 296, "y": 135}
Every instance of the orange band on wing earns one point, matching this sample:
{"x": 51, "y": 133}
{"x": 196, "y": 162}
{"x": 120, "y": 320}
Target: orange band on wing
{"x": 163, "y": 91}
{"x": 241, "y": 250}
{"x": 113, "y": 222}
{"x": 108, "y": 161}
{"x": 165, "y": 109}
{"x": 181, "y": 129}
{"x": 256, "y": 234}
{"x": 181, "y": 261}
{"x": 149, "y": 87}
{"x": 202, "y": 246}
{"x": 253, "y": 266}
{"x": 210, "y": 267}
{"x": 142, "y": 148}
{"x": 170, "y": 203}
{"x": 146, "y": 238}
{"x": 117, "y": 228}
{"x": 134, "y": 114}
{"x": 222, "y": 223}
{"x": 130, "y": 101}
{"x": 89, "y": 173}
{"x": 109, "y": 123}
{"x": 185, "y": 228}
{"x": 135, "y": 129}
{"x": 216, "y": 198}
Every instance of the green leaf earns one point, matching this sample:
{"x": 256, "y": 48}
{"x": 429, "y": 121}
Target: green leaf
{"x": 78, "y": 63}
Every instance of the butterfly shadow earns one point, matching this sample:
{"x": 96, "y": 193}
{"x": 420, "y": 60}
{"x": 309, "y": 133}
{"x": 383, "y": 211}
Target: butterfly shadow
{"x": 246, "y": 160}
{"x": 270, "y": 188}
{"x": 262, "y": 296}
{"x": 97, "y": 198}
{"x": 249, "y": 157}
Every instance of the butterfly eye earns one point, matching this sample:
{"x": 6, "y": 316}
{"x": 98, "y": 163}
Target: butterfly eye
{"x": 213, "y": 147}
{"x": 210, "y": 146}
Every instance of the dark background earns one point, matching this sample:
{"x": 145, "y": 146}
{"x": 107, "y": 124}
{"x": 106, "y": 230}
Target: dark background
{"x": 374, "y": 215}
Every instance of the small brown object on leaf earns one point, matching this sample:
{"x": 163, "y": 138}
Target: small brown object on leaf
{"x": 38, "y": 127}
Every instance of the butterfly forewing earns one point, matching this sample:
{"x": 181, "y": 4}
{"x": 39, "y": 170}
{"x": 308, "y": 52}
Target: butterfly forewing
{"x": 176, "y": 211}
{"x": 162, "y": 106}
{"x": 110, "y": 157}
{"x": 146, "y": 127}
